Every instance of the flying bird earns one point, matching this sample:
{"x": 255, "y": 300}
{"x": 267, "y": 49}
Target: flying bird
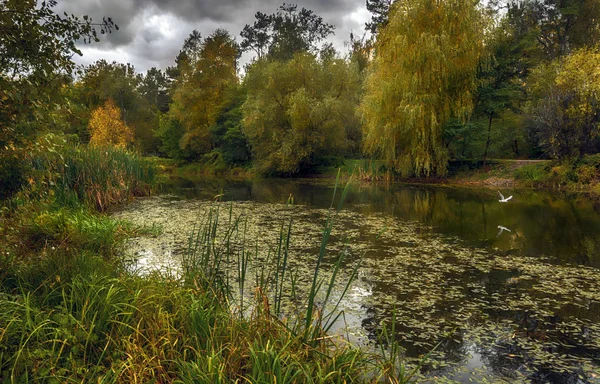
{"x": 502, "y": 199}
{"x": 501, "y": 229}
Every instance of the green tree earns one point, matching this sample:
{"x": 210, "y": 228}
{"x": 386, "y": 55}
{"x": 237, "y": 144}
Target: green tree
{"x": 296, "y": 111}
{"x": 154, "y": 86}
{"x": 558, "y": 26}
{"x": 379, "y": 17}
{"x": 423, "y": 74}
{"x": 285, "y": 32}
{"x": 169, "y": 132}
{"x": 227, "y": 132}
{"x": 207, "y": 73}
{"x": 36, "y": 50}
{"x": 564, "y": 112}
{"x": 500, "y": 86}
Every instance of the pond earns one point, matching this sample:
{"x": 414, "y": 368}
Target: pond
{"x": 498, "y": 291}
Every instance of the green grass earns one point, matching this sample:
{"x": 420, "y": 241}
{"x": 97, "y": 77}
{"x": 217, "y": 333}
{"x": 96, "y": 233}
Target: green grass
{"x": 73, "y": 312}
{"x": 98, "y": 177}
{"x": 581, "y": 174}
{"x": 79, "y": 229}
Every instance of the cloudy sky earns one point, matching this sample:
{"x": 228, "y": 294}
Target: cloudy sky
{"x": 151, "y": 32}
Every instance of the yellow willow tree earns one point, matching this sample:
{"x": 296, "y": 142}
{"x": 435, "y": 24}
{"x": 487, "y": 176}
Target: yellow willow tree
{"x": 107, "y": 128}
{"x": 423, "y": 74}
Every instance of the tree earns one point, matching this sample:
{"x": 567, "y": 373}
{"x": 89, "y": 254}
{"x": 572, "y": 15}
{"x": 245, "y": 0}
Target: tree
{"x": 297, "y": 111}
{"x": 379, "y": 17}
{"x": 102, "y": 81}
{"x": 285, "y": 32}
{"x": 154, "y": 87}
{"x": 499, "y": 81}
{"x": 107, "y": 128}
{"x": 169, "y": 132}
{"x": 36, "y": 44}
{"x": 565, "y": 109}
{"x": 558, "y": 26}
{"x": 227, "y": 132}
{"x": 207, "y": 73}
{"x": 36, "y": 49}
{"x": 422, "y": 75}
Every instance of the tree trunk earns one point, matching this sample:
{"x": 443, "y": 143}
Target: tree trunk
{"x": 489, "y": 139}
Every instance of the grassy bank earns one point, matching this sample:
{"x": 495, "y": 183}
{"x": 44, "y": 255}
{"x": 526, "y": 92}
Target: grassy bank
{"x": 582, "y": 175}
{"x": 74, "y": 311}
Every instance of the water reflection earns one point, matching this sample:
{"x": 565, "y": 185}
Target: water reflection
{"x": 515, "y": 284}
{"x": 564, "y": 229}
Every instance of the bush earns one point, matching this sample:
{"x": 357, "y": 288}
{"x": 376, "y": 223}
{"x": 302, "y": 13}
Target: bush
{"x": 13, "y": 175}
{"x": 532, "y": 174}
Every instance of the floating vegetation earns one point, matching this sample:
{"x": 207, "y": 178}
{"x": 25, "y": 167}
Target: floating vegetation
{"x": 495, "y": 316}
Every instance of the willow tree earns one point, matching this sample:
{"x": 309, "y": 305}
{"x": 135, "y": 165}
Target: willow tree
{"x": 422, "y": 75}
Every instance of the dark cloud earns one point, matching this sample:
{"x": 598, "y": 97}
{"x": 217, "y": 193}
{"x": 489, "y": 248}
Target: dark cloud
{"x": 151, "y": 32}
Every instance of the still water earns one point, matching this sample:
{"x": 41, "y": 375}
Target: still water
{"x": 506, "y": 292}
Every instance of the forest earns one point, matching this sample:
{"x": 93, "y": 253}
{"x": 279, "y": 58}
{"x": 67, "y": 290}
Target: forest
{"x": 505, "y": 80}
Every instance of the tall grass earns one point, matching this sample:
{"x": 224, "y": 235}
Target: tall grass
{"x": 75, "y": 315}
{"x": 95, "y": 176}
{"x": 78, "y": 317}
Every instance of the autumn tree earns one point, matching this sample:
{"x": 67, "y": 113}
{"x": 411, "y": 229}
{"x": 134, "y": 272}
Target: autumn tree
{"x": 564, "y": 112}
{"x": 285, "y": 32}
{"x": 105, "y": 80}
{"x": 422, "y": 75}
{"x": 297, "y": 111}
{"x": 36, "y": 50}
{"x": 208, "y": 71}
{"x": 107, "y": 128}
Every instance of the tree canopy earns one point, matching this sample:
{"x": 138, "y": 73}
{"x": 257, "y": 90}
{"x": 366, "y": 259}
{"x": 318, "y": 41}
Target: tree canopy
{"x": 422, "y": 75}
{"x": 199, "y": 93}
{"x": 285, "y": 32}
{"x": 297, "y": 111}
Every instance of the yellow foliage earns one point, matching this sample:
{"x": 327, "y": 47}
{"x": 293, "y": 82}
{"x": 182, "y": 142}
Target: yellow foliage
{"x": 107, "y": 128}
{"x": 201, "y": 91}
{"x": 422, "y": 75}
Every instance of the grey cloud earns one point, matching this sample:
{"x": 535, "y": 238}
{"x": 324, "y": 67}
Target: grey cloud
{"x": 151, "y": 32}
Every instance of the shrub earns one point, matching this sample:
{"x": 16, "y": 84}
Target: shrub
{"x": 13, "y": 175}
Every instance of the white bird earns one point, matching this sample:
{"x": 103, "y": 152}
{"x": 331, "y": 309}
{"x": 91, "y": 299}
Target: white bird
{"x": 501, "y": 228}
{"x": 502, "y": 199}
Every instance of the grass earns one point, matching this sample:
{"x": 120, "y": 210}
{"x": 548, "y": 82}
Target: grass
{"x": 75, "y": 316}
{"x": 73, "y": 312}
{"x": 97, "y": 177}
{"x": 580, "y": 174}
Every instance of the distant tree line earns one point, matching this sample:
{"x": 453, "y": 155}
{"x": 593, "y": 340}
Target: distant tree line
{"x": 433, "y": 81}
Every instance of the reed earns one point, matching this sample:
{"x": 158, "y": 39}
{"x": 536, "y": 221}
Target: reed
{"x": 76, "y": 315}
{"x": 98, "y": 177}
